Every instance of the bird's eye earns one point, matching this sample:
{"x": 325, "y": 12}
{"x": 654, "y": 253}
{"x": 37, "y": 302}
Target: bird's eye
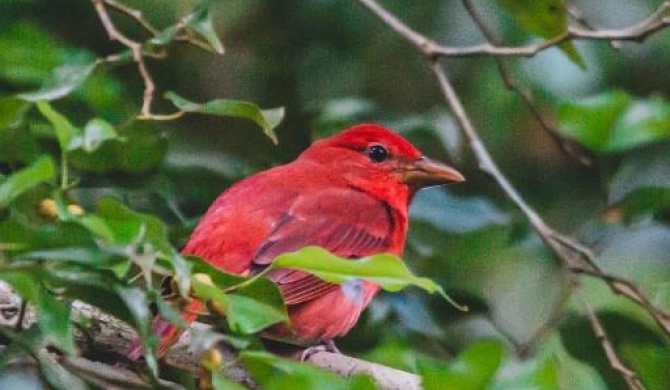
{"x": 377, "y": 153}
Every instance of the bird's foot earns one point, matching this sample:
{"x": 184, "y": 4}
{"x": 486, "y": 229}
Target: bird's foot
{"x": 325, "y": 346}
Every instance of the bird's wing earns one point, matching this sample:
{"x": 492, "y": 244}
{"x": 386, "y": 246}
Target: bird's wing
{"x": 346, "y": 222}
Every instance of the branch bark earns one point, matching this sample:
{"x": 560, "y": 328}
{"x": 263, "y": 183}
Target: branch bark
{"x": 106, "y": 340}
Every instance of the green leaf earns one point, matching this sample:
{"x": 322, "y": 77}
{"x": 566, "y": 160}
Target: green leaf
{"x": 64, "y": 79}
{"x": 473, "y": 369}
{"x": 614, "y": 121}
{"x": 644, "y": 121}
{"x": 252, "y": 312}
{"x": 647, "y": 169}
{"x": 220, "y": 382}
{"x": 41, "y": 171}
{"x": 54, "y": 320}
{"x": 12, "y": 111}
{"x": 65, "y": 131}
{"x": 266, "y": 119}
{"x": 96, "y": 132}
{"x": 128, "y": 227}
{"x": 163, "y": 38}
{"x": 387, "y": 270}
{"x": 138, "y": 305}
{"x": 143, "y": 149}
{"x": 200, "y": 21}
{"x": 57, "y": 375}
{"x": 384, "y": 269}
{"x": 245, "y": 314}
{"x": 273, "y": 372}
{"x": 649, "y": 362}
{"x": 31, "y": 60}
{"x": 538, "y": 374}
{"x": 546, "y": 18}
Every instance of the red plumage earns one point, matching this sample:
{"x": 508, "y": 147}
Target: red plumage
{"x": 348, "y": 194}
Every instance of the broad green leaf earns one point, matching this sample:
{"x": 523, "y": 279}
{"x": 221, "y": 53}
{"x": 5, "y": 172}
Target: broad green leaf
{"x": 546, "y": 18}
{"x": 41, "y": 171}
{"x": 30, "y": 61}
{"x": 244, "y": 314}
{"x": 641, "y": 185}
{"x": 138, "y": 305}
{"x": 65, "y": 131}
{"x": 473, "y": 369}
{"x": 644, "y": 121}
{"x": 650, "y": 362}
{"x": 163, "y": 38}
{"x": 253, "y": 305}
{"x": 94, "y": 285}
{"x": 18, "y": 146}
{"x": 647, "y": 168}
{"x": 129, "y": 226}
{"x": 251, "y": 314}
{"x": 143, "y": 149}
{"x": 200, "y": 21}
{"x": 266, "y": 119}
{"x": 96, "y": 132}
{"x": 57, "y": 375}
{"x": 614, "y": 121}
{"x": 64, "y": 79}
{"x": 536, "y": 374}
{"x": 273, "y": 372}
{"x": 220, "y": 382}
{"x": 384, "y": 269}
{"x": 54, "y": 320}
{"x": 591, "y": 120}
{"x": 12, "y": 111}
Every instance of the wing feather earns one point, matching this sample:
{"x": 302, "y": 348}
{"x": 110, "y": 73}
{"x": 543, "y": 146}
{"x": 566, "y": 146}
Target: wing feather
{"x": 345, "y": 222}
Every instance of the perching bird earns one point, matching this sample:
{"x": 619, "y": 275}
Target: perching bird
{"x": 349, "y": 194}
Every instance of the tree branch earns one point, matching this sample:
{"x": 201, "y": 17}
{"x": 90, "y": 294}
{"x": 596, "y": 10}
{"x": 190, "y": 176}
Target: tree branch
{"x": 626, "y": 373}
{"x": 573, "y": 256}
{"x": 638, "y": 32}
{"x": 138, "y": 56}
{"x": 570, "y": 147}
{"x": 106, "y": 339}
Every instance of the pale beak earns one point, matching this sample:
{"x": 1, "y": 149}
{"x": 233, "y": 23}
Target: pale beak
{"x": 424, "y": 172}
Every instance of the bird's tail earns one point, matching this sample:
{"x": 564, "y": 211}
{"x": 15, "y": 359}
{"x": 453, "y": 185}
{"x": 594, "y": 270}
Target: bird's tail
{"x": 168, "y": 333}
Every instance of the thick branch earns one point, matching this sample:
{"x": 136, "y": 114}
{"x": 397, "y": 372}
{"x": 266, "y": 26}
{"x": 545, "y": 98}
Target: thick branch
{"x": 107, "y": 338}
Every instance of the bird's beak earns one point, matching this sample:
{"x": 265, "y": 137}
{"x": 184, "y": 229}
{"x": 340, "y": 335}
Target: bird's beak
{"x": 424, "y": 172}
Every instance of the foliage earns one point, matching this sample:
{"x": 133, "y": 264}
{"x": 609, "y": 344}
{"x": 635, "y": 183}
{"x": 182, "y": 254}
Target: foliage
{"x": 95, "y": 202}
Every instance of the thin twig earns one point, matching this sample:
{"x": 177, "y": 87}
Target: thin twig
{"x": 638, "y": 32}
{"x": 570, "y": 147}
{"x": 626, "y": 373}
{"x": 136, "y": 47}
{"x": 572, "y": 255}
{"x": 135, "y": 14}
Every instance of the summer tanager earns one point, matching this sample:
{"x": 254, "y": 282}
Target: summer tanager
{"x": 349, "y": 194}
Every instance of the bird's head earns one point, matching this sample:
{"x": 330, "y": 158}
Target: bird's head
{"x": 375, "y": 158}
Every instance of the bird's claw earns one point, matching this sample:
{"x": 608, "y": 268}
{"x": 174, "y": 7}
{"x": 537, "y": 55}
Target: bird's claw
{"x": 326, "y": 346}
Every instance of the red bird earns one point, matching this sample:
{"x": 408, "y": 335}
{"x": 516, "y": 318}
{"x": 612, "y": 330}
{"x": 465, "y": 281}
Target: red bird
{"x": 349, "y": 194}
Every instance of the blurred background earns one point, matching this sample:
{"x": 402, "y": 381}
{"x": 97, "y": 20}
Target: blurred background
{"x": 332, "y": 64}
